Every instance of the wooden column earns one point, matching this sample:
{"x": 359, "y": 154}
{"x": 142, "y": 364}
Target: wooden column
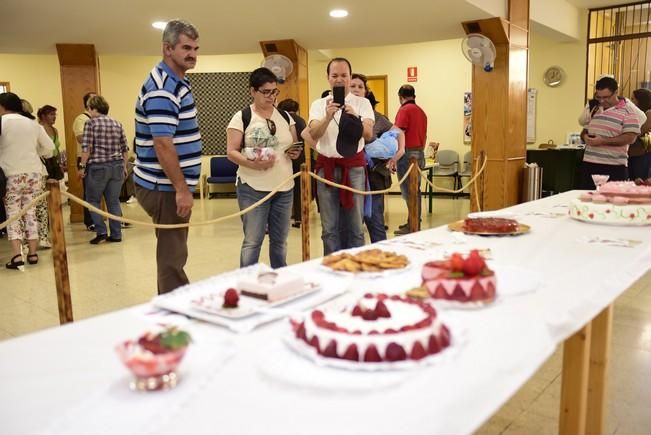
{"x": 79, "y": 75}
{"x": 59, "y": 255}
{"x": 296, "y": 84}
{"x": 499, "y": 106}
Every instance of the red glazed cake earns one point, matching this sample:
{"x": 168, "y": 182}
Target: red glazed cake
{"x": 460, "y": 279}
{"x": 379, "y": 328}
{"x": 490, "y": 225}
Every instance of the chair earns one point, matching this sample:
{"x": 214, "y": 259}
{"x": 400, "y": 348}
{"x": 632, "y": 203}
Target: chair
{"x": 447, "y": 165}
{"x": 222, "y": 171}
{"x": 467, "y": 168}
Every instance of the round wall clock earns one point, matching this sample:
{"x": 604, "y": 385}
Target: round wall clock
{"x": 554, "y": 76}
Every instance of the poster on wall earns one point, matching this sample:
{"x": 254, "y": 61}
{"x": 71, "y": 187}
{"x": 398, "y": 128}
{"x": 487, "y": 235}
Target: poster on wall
{"x": 532, "y": 95}
{"x": 467, "y": 117}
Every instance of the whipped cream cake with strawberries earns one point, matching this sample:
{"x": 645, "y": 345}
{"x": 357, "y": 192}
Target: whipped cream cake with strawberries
{"x": 615, "y": 203}
{"x": 460, "y": 279}
{"x": 378, "y": 328}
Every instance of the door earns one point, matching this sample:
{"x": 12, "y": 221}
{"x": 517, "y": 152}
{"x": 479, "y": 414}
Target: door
{"x": 378, "y": 85}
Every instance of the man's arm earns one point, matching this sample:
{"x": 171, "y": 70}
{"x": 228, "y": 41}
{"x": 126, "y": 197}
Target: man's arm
{"x": 367, "y": 133}
{"x": 169, "y": 161}
{"x": 318, "y": 127}
{"x": 622, "y": 139}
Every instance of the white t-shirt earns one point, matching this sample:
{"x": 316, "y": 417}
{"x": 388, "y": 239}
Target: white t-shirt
{"x": 257, "y": 134}
{"x": 22, "y": 143}
{"x": 327, "y": 144}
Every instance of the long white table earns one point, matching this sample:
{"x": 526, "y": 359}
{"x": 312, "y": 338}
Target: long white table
{"x": 69, "y": 379}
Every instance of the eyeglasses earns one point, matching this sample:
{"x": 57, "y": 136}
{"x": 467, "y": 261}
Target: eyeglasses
{"x": 603, "y": 97}
{"x": 269, "y": 92}
{"x": 271, "y": 126}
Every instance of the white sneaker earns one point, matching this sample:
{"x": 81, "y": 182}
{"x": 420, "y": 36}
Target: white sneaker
{"x": 45, "y": 244}
{"x": 131, "y": 200}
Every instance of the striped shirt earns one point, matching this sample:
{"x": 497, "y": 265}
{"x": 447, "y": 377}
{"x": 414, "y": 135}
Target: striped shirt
{"x": 611, "y": 122}
{"x": 104, "y": 139}
{"x": 165, "y": 108}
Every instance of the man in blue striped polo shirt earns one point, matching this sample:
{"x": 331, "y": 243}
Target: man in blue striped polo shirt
{"x": 168, "y": 150}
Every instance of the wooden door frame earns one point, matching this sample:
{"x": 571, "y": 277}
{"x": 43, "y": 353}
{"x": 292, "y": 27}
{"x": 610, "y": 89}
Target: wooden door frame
{"x": 385, "y": 79}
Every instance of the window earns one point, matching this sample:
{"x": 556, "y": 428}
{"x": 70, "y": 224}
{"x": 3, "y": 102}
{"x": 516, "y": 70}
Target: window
{"x": 618, "y": 44}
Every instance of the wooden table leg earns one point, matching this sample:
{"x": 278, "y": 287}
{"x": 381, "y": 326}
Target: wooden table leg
{"x": 602, "y": 326}
{"x": 574, "y": 383}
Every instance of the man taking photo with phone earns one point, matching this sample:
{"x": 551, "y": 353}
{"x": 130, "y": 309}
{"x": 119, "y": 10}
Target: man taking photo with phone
{"x": 336, "y": 129}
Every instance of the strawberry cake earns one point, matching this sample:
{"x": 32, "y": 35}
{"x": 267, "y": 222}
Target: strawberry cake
{"x": 460, "y": 279}
{"x": 378, "y": 328}
{"x": 615, "y": 203}
{"x": 490, "y": 225}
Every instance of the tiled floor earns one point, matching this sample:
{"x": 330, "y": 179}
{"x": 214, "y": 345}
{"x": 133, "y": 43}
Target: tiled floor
{"x": 113, "y": 276}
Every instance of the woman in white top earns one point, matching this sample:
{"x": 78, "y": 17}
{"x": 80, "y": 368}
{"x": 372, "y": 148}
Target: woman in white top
{"x": 22, "y": 141}
{"x": 263, "y": 150}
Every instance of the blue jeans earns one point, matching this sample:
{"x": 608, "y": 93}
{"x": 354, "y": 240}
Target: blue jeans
{"x": 272, "y": 215}
{"x": 375, "y": 223}
{"x": 105, "y": 179}
{"x": 334, "y": 217}
{"x": 401, "y": 169}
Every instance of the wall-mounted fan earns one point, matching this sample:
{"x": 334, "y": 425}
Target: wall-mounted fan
{"x": 280, "y": 65}
{"x": 479, "y": 50}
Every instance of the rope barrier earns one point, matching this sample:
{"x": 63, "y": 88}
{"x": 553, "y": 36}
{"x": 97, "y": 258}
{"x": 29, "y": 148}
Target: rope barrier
{"x": 172, "y": 226}
{"x": 361, "y": 192}
{"x": 23, "y": 210}
{"x": 241, "y": 212}
{"x": 462, "y": 188}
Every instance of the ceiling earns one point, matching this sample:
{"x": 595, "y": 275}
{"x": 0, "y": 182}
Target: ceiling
{"x": 124, "y": 26}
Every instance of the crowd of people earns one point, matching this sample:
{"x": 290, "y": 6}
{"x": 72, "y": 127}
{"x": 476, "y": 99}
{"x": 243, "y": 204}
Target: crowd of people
{"x": 355, "y": 145}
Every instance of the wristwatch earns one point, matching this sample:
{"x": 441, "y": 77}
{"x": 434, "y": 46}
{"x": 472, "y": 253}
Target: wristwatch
{"x": 81, "y": 166}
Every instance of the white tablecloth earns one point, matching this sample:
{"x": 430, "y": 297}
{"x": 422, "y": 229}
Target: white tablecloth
{"x": 47, "y": 378}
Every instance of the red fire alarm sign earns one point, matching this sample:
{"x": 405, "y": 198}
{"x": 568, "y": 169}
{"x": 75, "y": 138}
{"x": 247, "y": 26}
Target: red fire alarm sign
{"x": 412, "y": 74}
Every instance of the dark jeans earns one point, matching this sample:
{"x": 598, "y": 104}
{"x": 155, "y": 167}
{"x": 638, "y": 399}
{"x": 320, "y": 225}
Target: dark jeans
{"x": 88, "y": 221}
{"x": 639, "y": 167}
{"x": 615, "y": 173}
{"x": 375, "y": 223}
{"x": 105, "y": 179}
{"x": 296, "y": 203}
{"x": 172, "y": 245}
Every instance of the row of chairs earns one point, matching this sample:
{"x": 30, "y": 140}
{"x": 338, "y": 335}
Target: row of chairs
{"x": 223, "y": 171}
{"x": 447, "y": 165}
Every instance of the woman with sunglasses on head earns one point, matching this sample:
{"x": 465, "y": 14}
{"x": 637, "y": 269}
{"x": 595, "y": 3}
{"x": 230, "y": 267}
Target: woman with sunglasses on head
{"x": 259, "y": 139}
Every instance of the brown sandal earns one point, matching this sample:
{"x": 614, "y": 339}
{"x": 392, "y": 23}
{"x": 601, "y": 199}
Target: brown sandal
{"x": 13, "y": 264}
{"x": 32, "y": 258}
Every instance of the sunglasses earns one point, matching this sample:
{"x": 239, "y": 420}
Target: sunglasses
{"x": 271, "y": 126}
{"x": 269, "y": 92}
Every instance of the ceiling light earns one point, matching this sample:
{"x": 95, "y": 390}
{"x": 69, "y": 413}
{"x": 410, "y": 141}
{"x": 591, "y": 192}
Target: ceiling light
{"x": 338, "y": 13}
{"x": 160, "y": 25}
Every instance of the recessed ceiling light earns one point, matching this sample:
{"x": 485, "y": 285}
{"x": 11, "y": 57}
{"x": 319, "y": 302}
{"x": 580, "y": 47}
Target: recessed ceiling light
{"x": 338, "y": 13}
{"x": 160, "y": 25}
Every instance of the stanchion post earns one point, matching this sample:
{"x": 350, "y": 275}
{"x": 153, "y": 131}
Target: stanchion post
{"x": 305, "y": 210}
{"x": 414, "y": 196}
{"x": 59, "y": 256}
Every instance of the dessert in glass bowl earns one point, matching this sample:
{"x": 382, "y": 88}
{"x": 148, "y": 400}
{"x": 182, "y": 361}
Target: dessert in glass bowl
{"x": 154, "y": 357}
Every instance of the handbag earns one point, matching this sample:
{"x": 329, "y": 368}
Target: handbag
{"x": 53, "y": 168}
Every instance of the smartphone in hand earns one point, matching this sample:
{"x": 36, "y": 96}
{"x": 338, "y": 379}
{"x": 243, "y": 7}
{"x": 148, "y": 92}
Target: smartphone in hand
{"x": 295, "y": 146}
{"x": 339, "y": 95}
